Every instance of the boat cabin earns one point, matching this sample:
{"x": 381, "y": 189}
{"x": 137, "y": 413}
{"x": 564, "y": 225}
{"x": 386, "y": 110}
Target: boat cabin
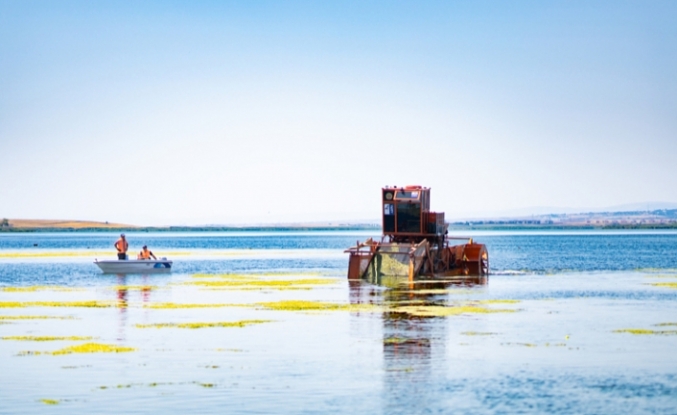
{"x": 407, "y": 215}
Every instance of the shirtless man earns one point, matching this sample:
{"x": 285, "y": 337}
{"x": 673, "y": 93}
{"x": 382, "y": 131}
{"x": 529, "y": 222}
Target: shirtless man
{"x": 122, "y": 246}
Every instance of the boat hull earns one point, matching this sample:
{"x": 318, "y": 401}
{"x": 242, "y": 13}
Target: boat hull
{"x": 134, "y": 266}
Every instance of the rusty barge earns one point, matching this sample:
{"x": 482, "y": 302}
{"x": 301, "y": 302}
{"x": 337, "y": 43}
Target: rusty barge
{"x": 415, "y": 243}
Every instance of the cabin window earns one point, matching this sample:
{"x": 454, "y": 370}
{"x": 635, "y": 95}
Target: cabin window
{"x": 409, "y": 217}
{"x": 405, "y": 195}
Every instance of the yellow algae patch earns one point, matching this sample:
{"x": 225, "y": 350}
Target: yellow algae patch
{"x": 499, "y": 301}
{"x": 441, "y": 311}
{"x": 258, "y": 276}
{"x": 241, "y": 323}
{"x": 665, "y": 284}
{"x": 647, "y": 332}
{"x": 227, "y": 276}
{"x": 49, "y": 401}
{"x": 2, "y": 318}
{"x": 90, "y": 304}
{"x": 477, "y": 333}
{"x": 657, "y": 269}
{"x": 264, "y": 283}
{"x": 302, "y": 305}
{"x": 188, "y": 305}
{"x": 84, "y": 348}
{"x": 93, "y": 348}
{"x": 402, "y": 340}
{"x": 299, "y": 305}
{"x": 257, "y": 288}
{"x": 47, "y": 338}
{"x": 39, "y": 288}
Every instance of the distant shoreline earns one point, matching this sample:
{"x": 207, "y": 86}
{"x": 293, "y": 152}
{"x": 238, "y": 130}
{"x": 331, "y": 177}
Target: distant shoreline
{"x": 672, "y": 226}
{"x": 197, "y": 229}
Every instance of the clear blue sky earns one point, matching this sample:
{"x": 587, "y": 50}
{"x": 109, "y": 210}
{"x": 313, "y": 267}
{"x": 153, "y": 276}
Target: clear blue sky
{"x": 201, "y": 112}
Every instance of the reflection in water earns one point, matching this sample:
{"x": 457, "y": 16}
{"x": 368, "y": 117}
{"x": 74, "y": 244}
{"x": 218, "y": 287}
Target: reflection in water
{"x": 122, "y": 305}
{"x": 413, "y": 346}
{"x": 145, "y": 291}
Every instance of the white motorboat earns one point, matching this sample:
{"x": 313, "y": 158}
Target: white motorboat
{"x": 134, "y": 266}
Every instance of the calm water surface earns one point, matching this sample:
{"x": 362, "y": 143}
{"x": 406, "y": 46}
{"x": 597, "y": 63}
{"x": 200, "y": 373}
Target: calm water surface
{"x": 540, "y": 335}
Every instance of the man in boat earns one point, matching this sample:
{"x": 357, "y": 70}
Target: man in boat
{"x": 121, "y": 245}
{"x": 146, "y": 254}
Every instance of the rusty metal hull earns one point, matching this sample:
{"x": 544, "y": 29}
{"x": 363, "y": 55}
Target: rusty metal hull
{"x": 374, "y": 261}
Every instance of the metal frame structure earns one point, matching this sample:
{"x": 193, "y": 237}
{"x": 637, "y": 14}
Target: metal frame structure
{"x": 416, "y": 239}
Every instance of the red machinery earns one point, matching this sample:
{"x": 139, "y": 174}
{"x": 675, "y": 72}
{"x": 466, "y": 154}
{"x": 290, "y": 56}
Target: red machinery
{"x": 414, "y": 242}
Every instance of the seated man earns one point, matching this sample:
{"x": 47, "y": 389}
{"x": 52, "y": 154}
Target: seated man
{"x": 146, "y": 254}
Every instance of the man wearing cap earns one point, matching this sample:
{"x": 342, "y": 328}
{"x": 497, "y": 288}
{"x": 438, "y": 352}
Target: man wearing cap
{"x": 146, "y": 254}
{"x": 121, "y": 245}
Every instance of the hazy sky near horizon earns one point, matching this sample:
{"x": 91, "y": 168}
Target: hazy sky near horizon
{"x": 197, "y": 112}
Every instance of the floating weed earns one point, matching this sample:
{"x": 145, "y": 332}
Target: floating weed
{"x": 50, "y": 401}
{"x": 188, "y": 305}
{"x": 227, "y": 276}
{"x": 302, "y": 305}
{"x": 257, "y": 288}
{"x": 93, "y": 348}
{"x": 665, "y": 324}
{"x": 35, "y": 288}
{"x": 241, "y": 323}
{"x": 265, "y": 283}
{"x": 155, "y": 384}
{"x": 88, "y": 304}
{"x": 395, "y": 340}
{"x": 258, "y": 276}
{"x": 442, "y": 311}
{"x": 477, "y": 333}
{"x": 47, "y": 338}
{"x": 672, "y": 285}
{"x": 401, "y": 369}
{"x": 2, "y": 318}
{"x": 82, "y": 348}
{"x": 657, "y": 270}
{"x": 647, "y": 332}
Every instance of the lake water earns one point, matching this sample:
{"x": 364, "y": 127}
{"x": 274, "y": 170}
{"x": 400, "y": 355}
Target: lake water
{"x": 568, "y": 323}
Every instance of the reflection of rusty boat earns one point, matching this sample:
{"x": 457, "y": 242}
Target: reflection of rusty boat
{"x": 415, "y": 243}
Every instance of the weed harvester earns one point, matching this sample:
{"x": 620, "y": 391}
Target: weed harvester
{"x": 415, "y": 243}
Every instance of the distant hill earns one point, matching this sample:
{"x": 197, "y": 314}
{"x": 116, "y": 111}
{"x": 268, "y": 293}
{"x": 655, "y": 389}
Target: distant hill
{"x": 41, "y": 225}
{"x": 636, "y": 219}
{"x": 61, "y": 224}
